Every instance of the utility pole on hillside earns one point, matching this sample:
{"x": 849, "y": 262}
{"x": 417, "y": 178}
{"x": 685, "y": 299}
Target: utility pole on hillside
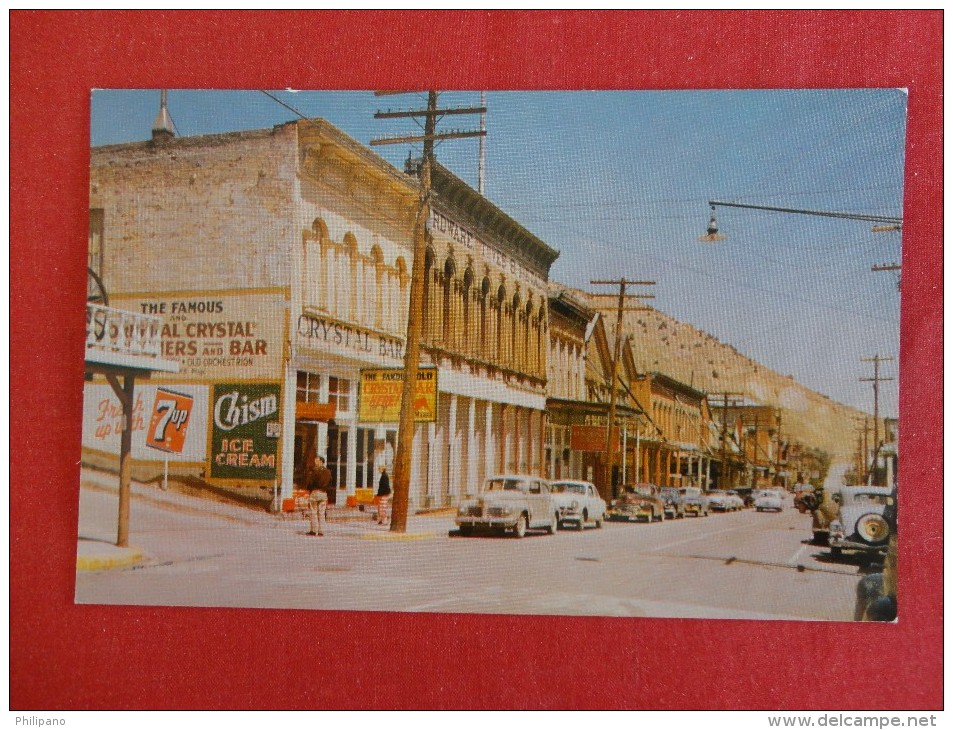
{"x": 403, "y": 457}
{"x": 876, "y": 380}
{"x": 619, "y": 309}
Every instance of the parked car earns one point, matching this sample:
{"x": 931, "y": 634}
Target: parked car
{"x": 769, "y": 500}
{"x": 860, "y": 524}
{"x": 577, "y": 503}
{"x": 694, "y": 501}
{"x": 674, "y": 505}
{"x": 736, "y": 500}
{"x": 638, "y": 502}
{"x": 721, "y": 501}
{"x": 514, "y": 502}
{"x": 877, "y": 592}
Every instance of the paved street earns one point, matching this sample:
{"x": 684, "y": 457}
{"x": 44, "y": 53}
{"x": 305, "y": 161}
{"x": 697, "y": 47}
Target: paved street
{"x": 740, "y": 565}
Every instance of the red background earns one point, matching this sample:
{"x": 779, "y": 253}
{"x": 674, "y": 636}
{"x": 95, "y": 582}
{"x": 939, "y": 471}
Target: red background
{"x": 65, "y": 656}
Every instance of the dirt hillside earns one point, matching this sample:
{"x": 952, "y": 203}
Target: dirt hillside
{"x": 662, "y": 343}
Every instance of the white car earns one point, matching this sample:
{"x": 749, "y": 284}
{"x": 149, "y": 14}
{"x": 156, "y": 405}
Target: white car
{"x": 860, "y": 524}
{"x": 769, "y": 500}
{"x": 578, "y": 503}
{"x": 516, "y": 502}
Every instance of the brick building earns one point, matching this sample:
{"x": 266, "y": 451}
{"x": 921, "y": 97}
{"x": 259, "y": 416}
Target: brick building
{"x": 278, "y": 262}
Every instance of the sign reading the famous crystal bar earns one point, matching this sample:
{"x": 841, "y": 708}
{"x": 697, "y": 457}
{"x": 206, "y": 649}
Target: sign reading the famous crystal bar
{"x": 381, "y": 395}
{"x": 217, "y": 335}
{"x": 244, "y": 427}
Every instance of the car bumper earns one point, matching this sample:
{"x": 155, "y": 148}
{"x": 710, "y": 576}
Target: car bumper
{"x": 619, "y": 514}
{"x": 841, "y": 543}
{"x": 487, "y": 522}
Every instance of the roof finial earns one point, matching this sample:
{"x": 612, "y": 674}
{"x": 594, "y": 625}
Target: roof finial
{"x": 163, "y": 128}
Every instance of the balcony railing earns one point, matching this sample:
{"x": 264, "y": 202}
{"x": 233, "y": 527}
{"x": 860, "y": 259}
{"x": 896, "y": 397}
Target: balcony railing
{"x": 117, "y": 332}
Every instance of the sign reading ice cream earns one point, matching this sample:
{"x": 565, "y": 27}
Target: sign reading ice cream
{"x": 244, "y": 431}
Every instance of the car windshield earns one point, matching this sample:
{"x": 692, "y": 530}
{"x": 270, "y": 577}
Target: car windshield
{"x": 690, "y": 491}
{"x": 565, "y": 488}
{"x": 500, "y": 485}
{"x": 868, "y": 498}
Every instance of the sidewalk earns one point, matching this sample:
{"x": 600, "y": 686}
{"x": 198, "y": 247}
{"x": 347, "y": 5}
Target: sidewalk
{"x": 96, "y": 549}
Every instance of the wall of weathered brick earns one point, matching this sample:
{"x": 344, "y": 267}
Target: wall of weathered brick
{"x": 197, "y": 213}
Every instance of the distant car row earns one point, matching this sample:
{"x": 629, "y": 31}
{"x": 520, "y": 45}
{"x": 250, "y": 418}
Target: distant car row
{"x": 517, "y": 503}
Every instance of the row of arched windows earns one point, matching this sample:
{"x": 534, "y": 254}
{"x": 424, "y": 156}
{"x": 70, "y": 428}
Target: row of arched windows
{"x": 483, "y": 320}
{"x": 464, "y": 314}
{"x": 353, "y": 287}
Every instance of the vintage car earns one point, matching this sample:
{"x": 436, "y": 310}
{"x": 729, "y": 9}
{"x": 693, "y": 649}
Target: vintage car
{"x": 736, "y": 500}
{"x": 577, "y": 503}
{"x": 674, "y": 505}
{"x": 516, "y": 502}
{"x": 860, "y": 524}
{"x": 694, "y": 501}
{"x": 877, "y": 592}
{"x": 638, "y": 502}
{"x": 769, "y": 500}
{"x": 721, "y": 501}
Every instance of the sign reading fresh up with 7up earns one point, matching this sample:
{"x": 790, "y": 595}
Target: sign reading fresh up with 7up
{"x": 245, "y": 426}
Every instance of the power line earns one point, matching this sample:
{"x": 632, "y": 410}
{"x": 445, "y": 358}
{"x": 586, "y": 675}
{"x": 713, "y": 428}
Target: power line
{"x": 286, "y": 106}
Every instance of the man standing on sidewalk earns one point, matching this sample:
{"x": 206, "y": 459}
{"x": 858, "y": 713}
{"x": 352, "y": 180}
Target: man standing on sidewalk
{"x": 318, "y": 485}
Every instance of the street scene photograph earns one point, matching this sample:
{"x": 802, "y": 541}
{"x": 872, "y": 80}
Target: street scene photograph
{"x": 590, "y": 353}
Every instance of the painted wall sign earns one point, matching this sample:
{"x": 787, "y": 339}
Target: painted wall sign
{"x": 244, "y": 429}
{"x": 217, "y": 335}
{"x": 170, "y": 421}
{"x": 102, "y": 421}
{"x": 379, "y": 400}
{"x": 340, "y": 338}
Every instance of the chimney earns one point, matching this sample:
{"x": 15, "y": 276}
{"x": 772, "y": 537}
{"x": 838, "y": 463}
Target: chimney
{"x": 163, "y": 128}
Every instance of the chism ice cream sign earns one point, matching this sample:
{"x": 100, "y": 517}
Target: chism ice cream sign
{"x": 244, "y": 432}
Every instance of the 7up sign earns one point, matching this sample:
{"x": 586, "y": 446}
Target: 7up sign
{"x": 169, "y": 422}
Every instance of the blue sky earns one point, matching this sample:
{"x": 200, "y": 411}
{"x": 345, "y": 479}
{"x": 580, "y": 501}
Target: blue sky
{"x": 618, "y": 182}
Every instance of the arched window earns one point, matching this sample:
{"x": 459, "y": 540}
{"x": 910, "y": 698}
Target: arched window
{"x": 347, "y": 279}
{"x": 429, "y": 325}
{"x": 449, "y": 324}
{"x": 527, "y": 346}
{"x": 484, "y": 294}
{"x": 466, "y": 335}
{"x": 500, "y": 357}
{"x": 375, "y": 296}
{"x": 513, "y": 320}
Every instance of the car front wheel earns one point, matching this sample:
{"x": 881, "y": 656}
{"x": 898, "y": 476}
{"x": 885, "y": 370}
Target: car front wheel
{"x": 521, "y": 524}
{"x": 553, "y": 525}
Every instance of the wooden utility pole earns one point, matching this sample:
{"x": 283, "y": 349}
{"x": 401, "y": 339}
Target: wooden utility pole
{"x": 403, "y": 456}
{"x": 876, "y": 380}
{"x": 726, "y": 398}
{"x": 613, "y": 389}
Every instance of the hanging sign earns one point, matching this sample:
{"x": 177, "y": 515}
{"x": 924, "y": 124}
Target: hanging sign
{"x": 380, "y": 399}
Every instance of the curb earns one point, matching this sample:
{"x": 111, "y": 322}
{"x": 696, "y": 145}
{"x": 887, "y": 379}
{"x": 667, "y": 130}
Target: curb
{"x": 397, "y": 535}
{"x": 103, "y": 562}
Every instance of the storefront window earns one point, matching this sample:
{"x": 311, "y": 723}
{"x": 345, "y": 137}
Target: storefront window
{"x": 309, "y": 387}
{"x": 339, "y": 393}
